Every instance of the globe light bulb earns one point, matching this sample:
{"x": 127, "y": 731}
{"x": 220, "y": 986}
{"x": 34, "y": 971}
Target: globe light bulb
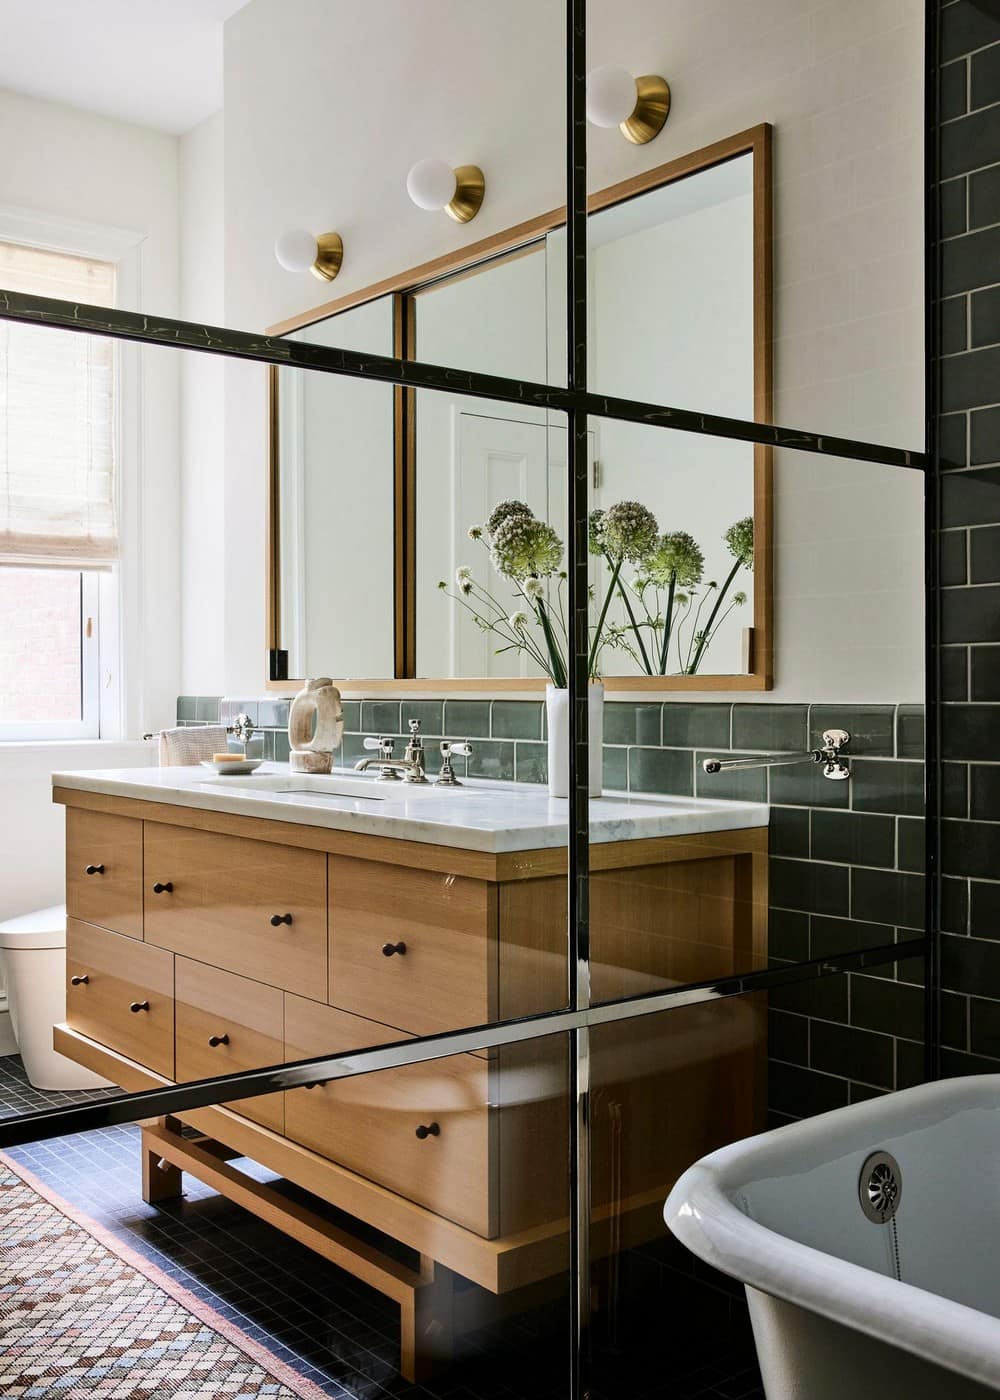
{"x": 611, "y": 95}
{"x": 295, "y": 250}
{"x": 431, "y": 184}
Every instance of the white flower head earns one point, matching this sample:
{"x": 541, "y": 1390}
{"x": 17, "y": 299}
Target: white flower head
{"x": 475, "y": 532}
{"x": 465, "y": 587}
{"x": 463, "y": 575}
{"x": 518, "y": 621}
{"x": 534, "y": 588}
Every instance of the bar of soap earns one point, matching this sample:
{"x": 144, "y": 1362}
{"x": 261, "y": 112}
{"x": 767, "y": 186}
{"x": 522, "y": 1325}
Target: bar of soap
{"x": 228, "y": 758}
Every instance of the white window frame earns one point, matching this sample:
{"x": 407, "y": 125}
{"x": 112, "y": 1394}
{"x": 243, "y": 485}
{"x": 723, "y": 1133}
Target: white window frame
{"x": 113, "y": 595}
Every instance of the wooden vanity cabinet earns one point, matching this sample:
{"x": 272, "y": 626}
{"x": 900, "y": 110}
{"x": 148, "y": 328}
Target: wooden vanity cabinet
{"x": 245, "y": 942}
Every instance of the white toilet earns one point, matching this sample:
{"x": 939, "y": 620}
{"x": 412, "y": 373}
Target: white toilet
{"x": 33, "y": 961}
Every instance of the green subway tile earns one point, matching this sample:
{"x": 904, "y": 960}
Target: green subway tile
{"x": 615, "y": 776}
{"x": 380, "y": 717}
{"x": 660, "y": 770}
{"x": 352, "y": 748}
{"x": 687, "y": 726}
{"x": 187, "y": 708}
{"x": 207, "y": 708}
{"x": 770, "y": 727}
{"x": 428, "y": 712}
{"x": 517, "y": 719}
{"x": 352, "y": 715}
{"x": 281, "y": 746}
{"x": 531, "y": 762}
{"x": 492, "y": 758}
{"x": 467, "y": 719}
{"x": 626, "y": 723}
{"x": 274, "y": 713}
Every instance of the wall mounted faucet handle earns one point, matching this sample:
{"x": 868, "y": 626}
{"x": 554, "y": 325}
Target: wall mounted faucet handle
{"x": 94, "y": 870}
{"x": 452, "y": 748}
{"x": 242, "y": 730}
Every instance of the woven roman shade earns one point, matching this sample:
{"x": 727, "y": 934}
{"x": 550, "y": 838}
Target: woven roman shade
{"x": 57, "y": 419}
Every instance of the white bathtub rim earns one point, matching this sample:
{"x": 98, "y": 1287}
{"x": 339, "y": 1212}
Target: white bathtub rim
{"x": 703, "y": 1215}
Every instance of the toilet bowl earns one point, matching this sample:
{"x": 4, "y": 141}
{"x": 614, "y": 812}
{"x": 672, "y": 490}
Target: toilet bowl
{"x": 33, "y": 961}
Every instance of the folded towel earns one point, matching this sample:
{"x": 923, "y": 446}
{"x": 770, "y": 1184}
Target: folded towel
{"x": 180, "y": 748}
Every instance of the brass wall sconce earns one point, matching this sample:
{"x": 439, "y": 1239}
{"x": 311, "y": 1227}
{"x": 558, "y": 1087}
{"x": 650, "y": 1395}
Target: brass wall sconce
{"x": 639, "y": 106}
{"x": 297, "y": 250}
{"x": 433, "y": 184}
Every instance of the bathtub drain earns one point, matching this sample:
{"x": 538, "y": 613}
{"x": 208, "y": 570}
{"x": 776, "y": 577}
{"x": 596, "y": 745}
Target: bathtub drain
{"x": 880, "y": 1190}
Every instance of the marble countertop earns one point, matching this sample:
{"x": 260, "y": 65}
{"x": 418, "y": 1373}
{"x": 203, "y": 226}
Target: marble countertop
{"x": 485, "y": 816}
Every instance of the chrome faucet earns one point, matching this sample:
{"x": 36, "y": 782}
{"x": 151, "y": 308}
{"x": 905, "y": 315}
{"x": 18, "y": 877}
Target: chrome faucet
{"x": 389, "y": 767}
{"x": 451, "y": 748}
{"x": 415, "y": 755}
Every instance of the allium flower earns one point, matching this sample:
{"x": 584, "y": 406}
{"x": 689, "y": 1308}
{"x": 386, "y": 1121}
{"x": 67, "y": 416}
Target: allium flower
{"x": 504, "y": 511}
{"x": 629, "y": 531}
{"x": 462, "y": 575}
{"x": 475, "y": 532}
{"x": 524, "y": 546}
{"x": 465, "y": 586}
{"x": 739, "y": 541}
{"x": 739, "y": 599}
{"x": 595, "y": 532}
{"x": 441, "y": 584}
{"x": 534, "y": 588}
{"x": 675, "y": 556}
{"x": 518, "y": 621}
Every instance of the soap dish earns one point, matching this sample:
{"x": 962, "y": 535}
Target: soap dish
{"x": 238, "y": 768}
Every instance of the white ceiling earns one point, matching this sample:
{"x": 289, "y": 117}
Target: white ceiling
{"x": 154, "y": 62}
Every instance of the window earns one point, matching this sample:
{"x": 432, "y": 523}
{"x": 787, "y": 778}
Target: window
{"x": 58, "y": 504}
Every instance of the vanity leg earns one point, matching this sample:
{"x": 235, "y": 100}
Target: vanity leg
{"x": 427, "y": 1323}
{"x": 159, "y": 1183}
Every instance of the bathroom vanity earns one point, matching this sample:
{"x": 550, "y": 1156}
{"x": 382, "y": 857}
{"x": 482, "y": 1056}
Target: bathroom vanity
{"x": 217, "y": 925}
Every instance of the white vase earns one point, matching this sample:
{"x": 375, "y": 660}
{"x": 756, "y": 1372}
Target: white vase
{"x": 557, "y": 715}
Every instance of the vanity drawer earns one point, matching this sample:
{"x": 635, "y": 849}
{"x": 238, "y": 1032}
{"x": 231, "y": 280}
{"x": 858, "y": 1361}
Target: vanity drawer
{"x": 120, "y": 992}
{"x": 243, "y": 1017}
{"x": 370, "y": 1123}
{"x": 213, "y": 898}
{"x": 104, "y": 870}
{"x": 411, "y": 948}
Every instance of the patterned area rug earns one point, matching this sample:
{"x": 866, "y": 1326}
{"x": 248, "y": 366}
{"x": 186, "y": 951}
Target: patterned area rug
{"x": 83, "y": 1316}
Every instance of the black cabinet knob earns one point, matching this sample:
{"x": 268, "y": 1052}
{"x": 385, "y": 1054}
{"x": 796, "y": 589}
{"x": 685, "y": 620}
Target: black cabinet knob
{"x": 79, "y": 981}
{"x": 215, "y": 1040}
{"x": 94, "y": 870}
{"x": 389, "y": 948}
{"x": 139, "y": 1006}
{"x": 427, "y": 1130}
{"x": 163, "y": 887}
{"x": 277, "y": 919}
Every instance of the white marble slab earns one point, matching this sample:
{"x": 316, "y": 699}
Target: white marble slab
{"x": 478, "y": 816}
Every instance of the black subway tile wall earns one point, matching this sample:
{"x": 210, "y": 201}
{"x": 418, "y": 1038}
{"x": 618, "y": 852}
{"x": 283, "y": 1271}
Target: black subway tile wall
{"x": 969, "y": 545}
{"x": 845, "y": 861}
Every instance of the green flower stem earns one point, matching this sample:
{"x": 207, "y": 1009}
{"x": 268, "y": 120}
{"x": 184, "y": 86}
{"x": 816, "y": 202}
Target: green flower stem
{"x": 706, "y": 634}
{"x": 558, "y": 665}
{"x": 595, "y": 645}
{"x": 635, "y": 628}
{"x": 520, "y": 641}
{"x": 668, "y": 620}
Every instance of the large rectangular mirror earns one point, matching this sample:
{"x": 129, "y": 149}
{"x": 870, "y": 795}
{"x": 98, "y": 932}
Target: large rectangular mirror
{"x": 679, "y": 262}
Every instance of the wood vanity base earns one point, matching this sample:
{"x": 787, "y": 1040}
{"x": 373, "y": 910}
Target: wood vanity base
{"x": 202, "y": 943}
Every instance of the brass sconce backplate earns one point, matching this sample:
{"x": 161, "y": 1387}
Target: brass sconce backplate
{"x": 329, "y": 256}
{"x": 651, "y": 109}
{"x": 470, "y": 186}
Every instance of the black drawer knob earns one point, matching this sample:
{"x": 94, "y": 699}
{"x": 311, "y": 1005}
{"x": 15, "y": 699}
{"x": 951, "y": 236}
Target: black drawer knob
{"x": 79, "y": 981}
{"x": 94, "y": 870}
{"x": 277, "y": 919}
{"x": 163, "y": 887}
{"x": 215, "y": 1040}
{"x": 389, "y": 948}
{"x": 139, "y": 1006}
{"x": 427, "y": 1130}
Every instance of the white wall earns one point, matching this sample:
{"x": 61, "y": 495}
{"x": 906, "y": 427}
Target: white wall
{"x": 326, "y": 112}
{"x": 76, "y": 166}
{"x": 202, "y": 417}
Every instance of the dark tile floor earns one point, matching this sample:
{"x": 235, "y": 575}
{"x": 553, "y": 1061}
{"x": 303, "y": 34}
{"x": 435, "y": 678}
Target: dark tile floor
{"x": 343, "y": 1335}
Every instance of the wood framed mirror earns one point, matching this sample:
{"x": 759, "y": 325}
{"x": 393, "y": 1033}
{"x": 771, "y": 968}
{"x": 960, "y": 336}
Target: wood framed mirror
{"x": 374, "y": 488}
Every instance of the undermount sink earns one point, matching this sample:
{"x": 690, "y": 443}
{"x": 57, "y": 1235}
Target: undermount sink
{"x": 326, "y": 785}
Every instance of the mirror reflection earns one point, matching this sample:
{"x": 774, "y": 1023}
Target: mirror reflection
{"x": 678, "y": 288}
